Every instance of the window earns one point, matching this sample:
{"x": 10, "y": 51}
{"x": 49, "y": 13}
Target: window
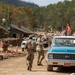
{"x": 14, "y": 35}
{"x": 64, "y": 41}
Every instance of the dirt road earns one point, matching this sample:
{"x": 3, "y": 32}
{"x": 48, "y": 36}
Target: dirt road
{"x": 17, "y": 66}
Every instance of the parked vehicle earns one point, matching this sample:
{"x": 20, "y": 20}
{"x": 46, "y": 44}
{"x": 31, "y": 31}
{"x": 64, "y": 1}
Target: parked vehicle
{"x": 61, "y": 53}
{"x": 24, "y": 42}
{"x": 34, "y": 39}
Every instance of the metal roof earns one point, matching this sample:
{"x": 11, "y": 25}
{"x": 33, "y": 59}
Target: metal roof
{"x": 22, "y": 28}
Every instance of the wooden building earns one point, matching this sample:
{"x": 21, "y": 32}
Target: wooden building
{"x": 19, "y": 31}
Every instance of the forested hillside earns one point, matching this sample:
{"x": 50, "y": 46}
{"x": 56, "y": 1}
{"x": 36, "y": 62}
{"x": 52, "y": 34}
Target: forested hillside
{"x": 15, "y": 15}
{"x": 56, "y": 15}
{"x": 19, "y": 3}
{"x": 40, "y": 18}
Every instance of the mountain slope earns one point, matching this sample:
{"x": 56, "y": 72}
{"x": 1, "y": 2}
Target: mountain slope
{"x": 19, "y": 3}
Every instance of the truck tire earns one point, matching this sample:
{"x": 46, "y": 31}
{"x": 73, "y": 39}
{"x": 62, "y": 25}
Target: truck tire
{"x": 1, "y": 57}
{"x": 49, "y": 68}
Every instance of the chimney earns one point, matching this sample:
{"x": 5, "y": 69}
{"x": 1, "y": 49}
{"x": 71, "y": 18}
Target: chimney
{"x": 19, "y": 24}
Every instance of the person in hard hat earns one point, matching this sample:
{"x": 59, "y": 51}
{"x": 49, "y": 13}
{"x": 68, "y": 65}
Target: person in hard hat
{"x": 40, "y": 50}
{"x": 29, "y": 46}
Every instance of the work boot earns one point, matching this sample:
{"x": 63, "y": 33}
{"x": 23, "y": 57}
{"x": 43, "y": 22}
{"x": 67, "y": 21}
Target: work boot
{"x": 39, "y": 64}
{"x": 28, "y": 68}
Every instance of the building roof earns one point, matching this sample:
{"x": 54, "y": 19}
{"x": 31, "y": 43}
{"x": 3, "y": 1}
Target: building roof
{"x": 22, "y": 29}
{"x": 1, "y": 27}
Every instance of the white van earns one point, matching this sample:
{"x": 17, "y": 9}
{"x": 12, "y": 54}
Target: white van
{"x": 23, "y": 43}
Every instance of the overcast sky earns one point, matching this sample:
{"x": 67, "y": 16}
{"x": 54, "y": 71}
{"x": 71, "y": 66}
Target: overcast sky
{"x": 43, "y": 2}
